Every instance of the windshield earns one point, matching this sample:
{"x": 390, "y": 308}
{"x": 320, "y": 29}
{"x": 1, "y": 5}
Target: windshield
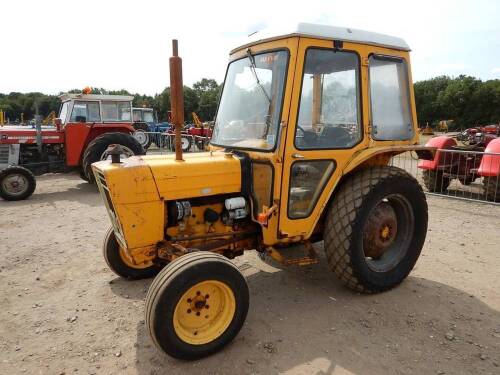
{"x": 250, "y": 105}
{"x": 148, "y": 116}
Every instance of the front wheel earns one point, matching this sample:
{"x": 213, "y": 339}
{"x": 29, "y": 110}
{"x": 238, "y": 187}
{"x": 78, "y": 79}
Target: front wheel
{"x": 196, "y": 305}
{"x": 141, "y": 134}
{"x": 16, "y": 183}
{"x": 121, "y": 264}
{"x": 375, "y": 229}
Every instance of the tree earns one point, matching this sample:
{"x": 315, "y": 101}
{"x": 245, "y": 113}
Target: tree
{"x": 208, "y": 92}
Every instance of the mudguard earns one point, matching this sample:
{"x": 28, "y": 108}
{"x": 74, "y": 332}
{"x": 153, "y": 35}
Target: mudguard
{"x": 441, "y": 142}
{"x": 490, "y": 164}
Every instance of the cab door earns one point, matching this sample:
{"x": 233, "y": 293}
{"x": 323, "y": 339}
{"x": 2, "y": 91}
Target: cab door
{"x": 326, "y": 125}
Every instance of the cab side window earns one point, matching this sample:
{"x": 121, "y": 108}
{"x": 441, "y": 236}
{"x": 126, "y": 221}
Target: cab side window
{"x": 329, "y": 113}
{"x": 390, "y": 99}
{"x": 116, "y": 111}
{"x": 85, "y": 112}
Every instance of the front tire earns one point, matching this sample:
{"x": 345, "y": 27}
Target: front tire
{"x": 141, "y": 134}
{"x": 96, "y": 150}
{"x": 119, "y": 263}
{"x": 16, "y": 183}
{"x": 196, "y": 305}
{"x": 375, "y": 229}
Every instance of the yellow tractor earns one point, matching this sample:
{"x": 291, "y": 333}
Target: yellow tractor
{"x": 307, "y": 124}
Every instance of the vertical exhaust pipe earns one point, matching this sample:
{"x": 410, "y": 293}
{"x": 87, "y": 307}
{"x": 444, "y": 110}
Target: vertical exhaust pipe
{"x": 176, "y": 97}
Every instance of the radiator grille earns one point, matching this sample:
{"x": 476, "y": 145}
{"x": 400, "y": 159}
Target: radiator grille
{"x": 106, "y": 197}
{"x": 4, "y": 154}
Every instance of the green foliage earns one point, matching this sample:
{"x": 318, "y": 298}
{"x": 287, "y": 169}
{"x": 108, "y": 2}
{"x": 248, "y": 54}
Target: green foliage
{"x": 201, "y": 98}
{"x": 466, "y": 100}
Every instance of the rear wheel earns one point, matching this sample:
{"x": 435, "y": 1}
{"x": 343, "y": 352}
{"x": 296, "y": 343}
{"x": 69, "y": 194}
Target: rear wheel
{"x": 141, "y": 134}
{"x": 121, "y": 264}
{"x": 16, "y": 183}
{"x": 196, "y": 305}
{"x": 186, "y": 143}
{"x": 388, "y": 208}
{"x": 96, "y": 150}
{"x": 435, "y": 182}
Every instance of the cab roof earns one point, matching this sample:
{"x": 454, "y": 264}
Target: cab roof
{"x": 113, "y": 98}
{"x": 327, "y": 32}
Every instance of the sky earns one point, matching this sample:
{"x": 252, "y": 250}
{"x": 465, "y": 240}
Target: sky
{"x": 52, "y": 46}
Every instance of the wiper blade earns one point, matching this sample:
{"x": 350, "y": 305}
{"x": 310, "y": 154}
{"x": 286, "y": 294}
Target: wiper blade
{"x": 254, "y": 71}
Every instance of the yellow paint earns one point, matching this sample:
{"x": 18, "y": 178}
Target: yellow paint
{"x": 200, "y": 174}
{"x": 204, "y": 312}
{"x": 131, "y": 262}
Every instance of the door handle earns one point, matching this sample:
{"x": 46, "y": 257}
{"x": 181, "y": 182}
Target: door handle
{"x": 297, "y": 156}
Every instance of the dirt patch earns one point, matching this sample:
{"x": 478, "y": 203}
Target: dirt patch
{"x": 63, "y": 311}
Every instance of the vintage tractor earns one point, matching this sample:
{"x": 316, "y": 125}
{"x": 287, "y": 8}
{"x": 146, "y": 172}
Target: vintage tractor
{"x": 86, "y": 126}
{"x": 148, "y": 129}
{"x": 478, "y": 157}
{"x": 300, "y": 153}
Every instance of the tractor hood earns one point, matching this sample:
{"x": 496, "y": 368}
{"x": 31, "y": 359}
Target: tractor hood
{"x": 161, "y": 177}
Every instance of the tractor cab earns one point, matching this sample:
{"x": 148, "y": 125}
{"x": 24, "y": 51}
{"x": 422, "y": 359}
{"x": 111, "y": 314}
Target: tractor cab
{"x": 78, "y": 109}
{"x": 146, "y": 115}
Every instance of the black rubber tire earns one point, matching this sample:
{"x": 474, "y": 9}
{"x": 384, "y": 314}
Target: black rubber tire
{"x": 30, "y": 177}
{"x": 111, "y": 253}
{"x": 347, "y": 216}
{"x": 143, "y": 127}
{"x": 169, "y": 286}
{"x": 491, "y": 188}
{"x": 83, "y": 176}
{"x": 435, "y": 182}
{"x": 99, "y": 144}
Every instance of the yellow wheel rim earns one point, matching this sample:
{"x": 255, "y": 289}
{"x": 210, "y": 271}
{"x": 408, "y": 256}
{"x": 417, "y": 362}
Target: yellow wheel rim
{"x": 204, "y": 312}
{"x": 129, "y": 262}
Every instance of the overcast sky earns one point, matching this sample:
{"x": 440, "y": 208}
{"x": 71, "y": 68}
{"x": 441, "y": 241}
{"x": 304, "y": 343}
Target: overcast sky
{"x": 53, "y": 46}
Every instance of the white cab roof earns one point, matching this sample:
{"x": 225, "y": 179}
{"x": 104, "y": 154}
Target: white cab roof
{"x": 115, "y": 98}
{"x": 327, "y": 32}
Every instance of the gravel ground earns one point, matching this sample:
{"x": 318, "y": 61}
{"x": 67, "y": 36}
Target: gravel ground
{"x": 63, "y": 311}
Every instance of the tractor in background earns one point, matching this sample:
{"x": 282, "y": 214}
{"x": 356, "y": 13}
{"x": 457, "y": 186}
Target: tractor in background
{"x": 86, "y": 126}
{"x": 145, "y": 123}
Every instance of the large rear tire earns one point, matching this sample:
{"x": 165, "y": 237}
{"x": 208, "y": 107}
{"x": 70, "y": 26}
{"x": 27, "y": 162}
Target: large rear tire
{"x": 375, "y": 229}
{"x": 196, "y": 305}
{"x": 119, "y": 263}
{"x": 96, "y": 150}
{"x": 16, "y": 183}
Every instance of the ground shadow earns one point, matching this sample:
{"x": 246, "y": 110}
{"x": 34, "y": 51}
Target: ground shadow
{"x": 303, "y": 321}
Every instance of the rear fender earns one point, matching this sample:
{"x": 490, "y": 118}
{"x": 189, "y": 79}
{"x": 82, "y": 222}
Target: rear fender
{"x": 78, "y": 136}
{"x": 442, "y": 142}
{"x": 490, "y": 164}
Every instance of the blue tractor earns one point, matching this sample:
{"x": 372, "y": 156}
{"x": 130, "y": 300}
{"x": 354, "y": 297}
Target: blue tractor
{"x": 146, "y": 123}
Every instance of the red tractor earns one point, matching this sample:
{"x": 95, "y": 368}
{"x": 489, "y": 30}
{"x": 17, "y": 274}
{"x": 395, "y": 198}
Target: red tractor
{"x": 87, "y": 125}
{"x": 479, "y": 157}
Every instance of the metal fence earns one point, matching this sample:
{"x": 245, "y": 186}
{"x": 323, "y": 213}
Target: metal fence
{"x": 163, "y": 143}
{"x": 455, "y": 174}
